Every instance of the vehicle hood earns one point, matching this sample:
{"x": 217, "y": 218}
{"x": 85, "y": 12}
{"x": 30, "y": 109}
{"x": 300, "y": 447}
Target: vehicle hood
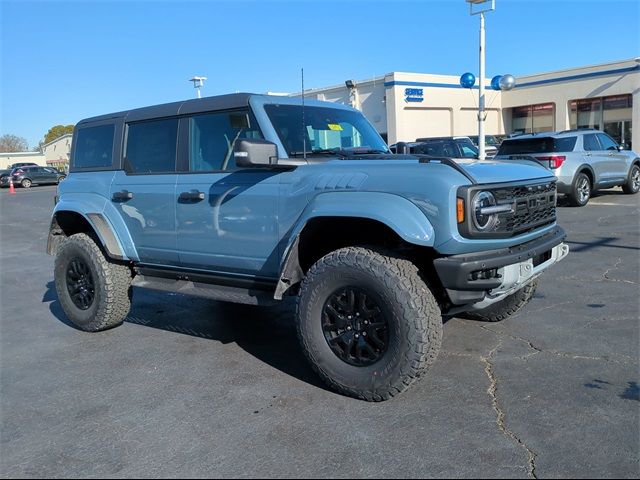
{"x": 491, "y": 171}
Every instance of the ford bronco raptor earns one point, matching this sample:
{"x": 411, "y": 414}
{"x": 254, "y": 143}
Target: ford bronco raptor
{"x": 251, "y": 198}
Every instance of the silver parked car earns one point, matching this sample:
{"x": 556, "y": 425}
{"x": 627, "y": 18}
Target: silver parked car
{"x": 583, "y": 161}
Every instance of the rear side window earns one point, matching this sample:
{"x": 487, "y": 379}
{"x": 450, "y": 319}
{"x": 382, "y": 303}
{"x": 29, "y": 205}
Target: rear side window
{"x": 590, "y": 142}
{"x": 527, "y": 146}
{"x": 151, "y": 146}
{"x": 94, "y": 147}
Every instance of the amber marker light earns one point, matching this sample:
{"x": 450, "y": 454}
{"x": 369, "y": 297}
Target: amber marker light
{"x": 460, "y": 210}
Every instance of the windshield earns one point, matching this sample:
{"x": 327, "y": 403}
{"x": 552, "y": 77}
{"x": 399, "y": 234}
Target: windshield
{"x": 326, "y": 130}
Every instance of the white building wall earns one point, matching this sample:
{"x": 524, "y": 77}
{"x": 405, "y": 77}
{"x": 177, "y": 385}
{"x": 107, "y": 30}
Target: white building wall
{"x": 446, "y": 109}
{"x": 59, "y": 149}
{"x": 7, "y": 159}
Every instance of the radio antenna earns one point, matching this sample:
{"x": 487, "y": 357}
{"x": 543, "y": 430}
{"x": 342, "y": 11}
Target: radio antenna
{"x": 304, "y": 133}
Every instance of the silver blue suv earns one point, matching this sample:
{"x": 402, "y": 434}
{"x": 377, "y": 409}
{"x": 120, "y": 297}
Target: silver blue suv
{"x": 253, "y": 198}
{"x": 582, "y": 160}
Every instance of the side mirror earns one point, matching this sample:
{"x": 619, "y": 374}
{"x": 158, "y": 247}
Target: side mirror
{"x": 255, "y": 154}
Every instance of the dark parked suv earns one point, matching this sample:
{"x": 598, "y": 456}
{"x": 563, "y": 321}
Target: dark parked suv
{"x": 32, "y": 175}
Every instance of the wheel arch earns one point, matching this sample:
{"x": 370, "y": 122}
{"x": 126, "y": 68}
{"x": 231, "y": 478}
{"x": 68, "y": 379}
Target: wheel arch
{"x": 340, "y": 219}
{"x": 65, "y": 223}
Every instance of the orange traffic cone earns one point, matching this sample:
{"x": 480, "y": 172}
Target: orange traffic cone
{"x": 12, "y": 190}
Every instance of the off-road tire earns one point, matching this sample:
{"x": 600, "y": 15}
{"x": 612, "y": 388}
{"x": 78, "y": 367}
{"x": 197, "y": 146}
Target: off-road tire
{"x": 26, "y": 183}
{"x": 413, "y": 316}
{"x": 112, "y": 281}
{"x": 575, "y": 196}
{"x": 631, "y": 186}
{"x": 506, "y": 307}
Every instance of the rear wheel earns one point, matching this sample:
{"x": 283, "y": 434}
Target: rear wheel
{"x": 580, "y": 191}
{"x": 367, "y": 322}
{"x": 94, "y": 292}
{"x": 61, "y": 178}
{"x": 633, "y": 181}
{"x": 26, "y": 183}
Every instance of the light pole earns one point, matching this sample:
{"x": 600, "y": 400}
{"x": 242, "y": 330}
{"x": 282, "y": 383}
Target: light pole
{"x": 481, "y": 7}
{"x": 198, "y": 82}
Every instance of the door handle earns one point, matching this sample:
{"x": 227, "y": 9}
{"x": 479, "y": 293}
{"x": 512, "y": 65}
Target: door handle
{"x": 122, "y": 196}
{"x": 587, "y": 154}
{"x": 192, "y": 196}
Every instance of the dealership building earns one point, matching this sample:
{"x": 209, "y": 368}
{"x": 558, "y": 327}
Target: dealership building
{"x": 406, "y": 106}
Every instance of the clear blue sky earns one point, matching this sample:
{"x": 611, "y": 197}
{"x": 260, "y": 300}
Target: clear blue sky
{"x": 63, "y": 61}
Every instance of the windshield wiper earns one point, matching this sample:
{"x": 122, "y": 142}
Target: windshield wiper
{"x": 369, "y": 151}
{"x": 327, "y": 151}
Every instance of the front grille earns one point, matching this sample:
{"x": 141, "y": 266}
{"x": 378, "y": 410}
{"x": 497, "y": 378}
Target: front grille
{"x": 534, "y": 207}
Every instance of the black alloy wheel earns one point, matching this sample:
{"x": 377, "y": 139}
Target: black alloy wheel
{"x": 355, "y": 327}
{"x": 80, "y": 284}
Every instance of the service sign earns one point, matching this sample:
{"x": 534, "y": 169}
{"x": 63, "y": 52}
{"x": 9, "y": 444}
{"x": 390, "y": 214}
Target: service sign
{"x": 413, "y": 95}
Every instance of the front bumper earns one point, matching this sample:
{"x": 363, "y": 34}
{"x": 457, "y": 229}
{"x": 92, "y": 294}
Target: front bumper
{"x": 469, "y": 278}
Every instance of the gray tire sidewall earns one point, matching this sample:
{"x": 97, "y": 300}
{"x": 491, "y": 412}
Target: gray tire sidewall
{"x": 629, "y": 187}
{"x": 26, "y": 183}
{"x": 575, "y": 195}
{"x": 69, "y": 250}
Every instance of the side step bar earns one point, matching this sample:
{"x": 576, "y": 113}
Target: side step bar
{"x": 250, "y": 294}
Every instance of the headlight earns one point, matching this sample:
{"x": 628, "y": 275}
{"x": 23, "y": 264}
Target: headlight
{"x": 484, "y": 217}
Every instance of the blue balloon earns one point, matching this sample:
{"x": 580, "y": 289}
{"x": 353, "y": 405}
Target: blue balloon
{"x": 467, "y": 80}
{"x": 495, "y": 82}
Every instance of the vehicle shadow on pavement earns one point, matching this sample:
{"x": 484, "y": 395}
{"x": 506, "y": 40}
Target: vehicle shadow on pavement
{"x": 267, "y": 333}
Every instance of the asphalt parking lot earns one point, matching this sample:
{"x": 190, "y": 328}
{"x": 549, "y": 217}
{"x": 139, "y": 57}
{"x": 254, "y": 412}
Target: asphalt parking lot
{"x": 194, "y": 388}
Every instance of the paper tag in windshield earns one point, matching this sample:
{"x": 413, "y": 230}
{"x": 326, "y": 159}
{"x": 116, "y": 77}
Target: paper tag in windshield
{"x": 336, "y": 127}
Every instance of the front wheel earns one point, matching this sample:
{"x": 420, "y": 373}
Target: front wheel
{"x": 506, "y": 307}
{"x": 367, "y": 322}
{"x": 633, "y": 181}
{"x": 94, "y": 292}
{"x": 61, "y": 179}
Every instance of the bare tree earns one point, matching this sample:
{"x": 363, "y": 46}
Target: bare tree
{"x": 13, "y": 143}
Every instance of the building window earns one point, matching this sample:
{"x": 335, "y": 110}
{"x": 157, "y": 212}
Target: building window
{"x": 533, "y": 118}
{"x": 611, "y": 114}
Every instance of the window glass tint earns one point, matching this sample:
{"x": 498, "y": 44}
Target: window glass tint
{"x": 528, "y": 146}
{"x": 94, "y": 147}
{"x": 591, "y": 142}
{"x": 151, "y": 146}
{"x": 606, "y": 142}
{"x": 566, "y": 144}
{"x": 213, "y": 137}
{"x": 438, "y": 148}
{"x": 467, "y": 148}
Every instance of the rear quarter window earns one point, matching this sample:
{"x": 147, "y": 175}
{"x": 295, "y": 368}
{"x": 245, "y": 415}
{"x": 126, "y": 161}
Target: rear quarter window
{"x": 527, "y": 146}
{"x": 94, "y": 147}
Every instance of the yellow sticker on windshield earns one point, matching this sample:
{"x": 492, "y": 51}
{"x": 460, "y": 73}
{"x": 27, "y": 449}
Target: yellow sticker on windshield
{"x": 335, "y": 127}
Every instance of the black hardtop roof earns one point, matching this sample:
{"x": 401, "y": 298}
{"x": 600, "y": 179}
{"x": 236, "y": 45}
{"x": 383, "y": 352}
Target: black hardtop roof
{"x": 196, "y": 105}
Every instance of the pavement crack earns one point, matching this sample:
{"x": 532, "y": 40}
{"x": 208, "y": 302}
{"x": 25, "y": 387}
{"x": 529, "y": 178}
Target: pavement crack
{"x": 500, "y": 414}
{"x": 607, "y": 278}
{"x": 624, "y": 359}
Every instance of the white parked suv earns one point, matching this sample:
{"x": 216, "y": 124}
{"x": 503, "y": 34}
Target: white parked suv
{"x": 583, "y": 161}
